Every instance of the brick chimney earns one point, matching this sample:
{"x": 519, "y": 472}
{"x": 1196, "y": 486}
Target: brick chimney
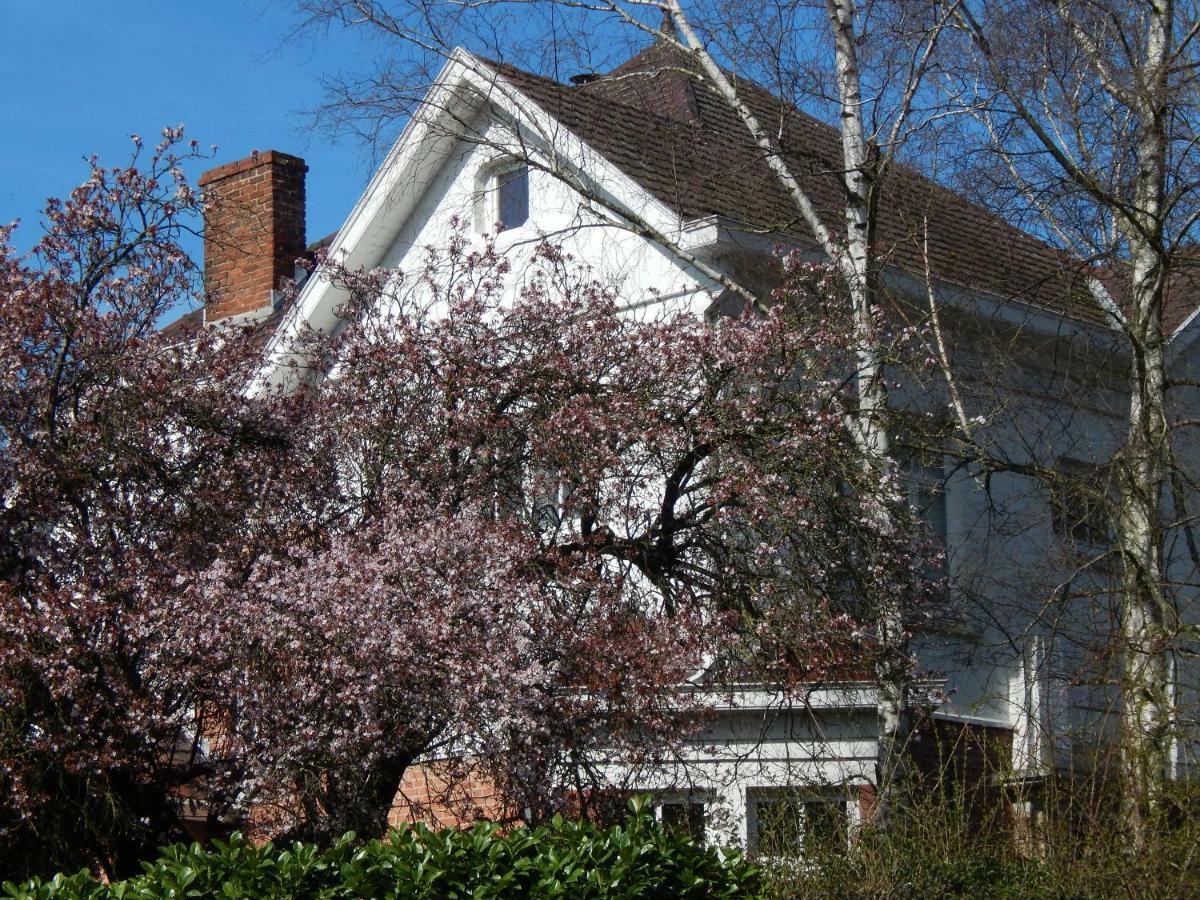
{"x": 253, "y": 232}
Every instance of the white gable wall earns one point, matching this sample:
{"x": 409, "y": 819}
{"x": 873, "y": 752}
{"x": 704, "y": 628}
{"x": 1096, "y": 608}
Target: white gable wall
{"x": 639, "y": 270}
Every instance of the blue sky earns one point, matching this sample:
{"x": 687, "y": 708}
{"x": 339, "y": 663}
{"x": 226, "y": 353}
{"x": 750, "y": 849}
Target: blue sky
{"x": 83, "y": 76}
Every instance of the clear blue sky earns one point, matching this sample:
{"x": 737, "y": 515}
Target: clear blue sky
{"x": 82, "y": 76}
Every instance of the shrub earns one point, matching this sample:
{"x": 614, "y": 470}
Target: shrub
{"x": 898, "y": 866}
{"x": 561, "y": 859}
{"x": 939, "y": 846}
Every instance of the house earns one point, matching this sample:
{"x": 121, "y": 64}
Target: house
{"x": 647, "y": 175}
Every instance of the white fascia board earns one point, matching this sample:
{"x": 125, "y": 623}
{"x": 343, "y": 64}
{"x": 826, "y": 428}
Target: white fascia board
{"x": 464, "y": 85}
{"x": 709, "y": 235}
{"x": 854, "y": 695}
{"x": 827, "y": 696}
{"x": 714, "y": 233}
{"x": 360, "y": 242}
{"x": 966, "y": 719}
{"x": 566, "y": 156}
{"x": 1188, "y": 330}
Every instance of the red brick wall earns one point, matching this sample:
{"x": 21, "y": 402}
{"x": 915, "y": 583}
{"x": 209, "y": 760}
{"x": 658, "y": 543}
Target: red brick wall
{"x": 967, "y": 764}
{"x": 961, "y": 756}
{"x": 430, "y": 794}
{"x": 254, "y": 230}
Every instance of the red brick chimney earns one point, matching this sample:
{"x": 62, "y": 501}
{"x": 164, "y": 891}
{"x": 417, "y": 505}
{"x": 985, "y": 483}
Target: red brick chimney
{"x": 253, "y": 231}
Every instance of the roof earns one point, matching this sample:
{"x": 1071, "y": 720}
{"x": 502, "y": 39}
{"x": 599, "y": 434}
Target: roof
{"x": 185, "y": 326}
{"x": 657, "y": 121}
{"x": 664, "y": 127}
{"x": 188, "y": 325}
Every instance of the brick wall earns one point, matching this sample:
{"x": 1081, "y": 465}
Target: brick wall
{"x": 429, "y": 793}
{"x": 254, "y": 231}
{"x": 967, "y": 763}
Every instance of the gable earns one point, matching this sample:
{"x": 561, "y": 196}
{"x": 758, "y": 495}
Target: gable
{"x": 434, "y": 181}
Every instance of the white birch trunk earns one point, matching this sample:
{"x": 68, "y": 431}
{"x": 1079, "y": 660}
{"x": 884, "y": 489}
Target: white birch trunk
{"x": 1146, "y": 616}
{"x": 892, "y": 669}
{"x": 1145, "y": 688}
{"x": 852, "y": 256}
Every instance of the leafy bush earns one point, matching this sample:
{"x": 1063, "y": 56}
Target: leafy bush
{"x": 561, "y": 859}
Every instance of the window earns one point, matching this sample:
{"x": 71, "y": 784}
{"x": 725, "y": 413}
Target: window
{"x": 792, "y": 822}
{"x": 1079, "y": 506}
{"x": 501, "y": 196}
{"x": 508, "y": 190}
{"x": 925, "y": 480}
{"x": 923, "y": 474}
{"x": 683, "y": 816}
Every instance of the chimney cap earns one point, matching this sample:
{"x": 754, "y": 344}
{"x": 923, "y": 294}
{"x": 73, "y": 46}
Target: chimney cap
{"x": 667, "y": 28}
{"x": 585, "y": 78}
{"x": 253, "y": 161}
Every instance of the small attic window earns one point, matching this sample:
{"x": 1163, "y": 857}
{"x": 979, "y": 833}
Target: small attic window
{"x": 510, "y": 187}
{"x": 504, "y": 197}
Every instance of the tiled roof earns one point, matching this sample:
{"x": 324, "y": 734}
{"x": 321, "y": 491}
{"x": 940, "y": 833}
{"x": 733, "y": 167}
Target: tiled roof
{"x": 664, "y": 128}
{"x": 673, "y": 135}
{"x": 1181, "y": 296}
{"x": 323, "y": 244}
{"x": 184, "y": 327}
{"x": 189, "y": 324}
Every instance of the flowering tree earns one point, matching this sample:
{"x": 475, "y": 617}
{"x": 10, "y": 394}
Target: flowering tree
{"x": 510, "y": 528}
{"x": 861, "y": 63}
{"x": 488, "y": 519}
{"x": 123, "y": 463}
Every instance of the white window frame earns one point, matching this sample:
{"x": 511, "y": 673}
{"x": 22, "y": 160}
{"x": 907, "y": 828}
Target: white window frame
{"x": 702, "y": 799}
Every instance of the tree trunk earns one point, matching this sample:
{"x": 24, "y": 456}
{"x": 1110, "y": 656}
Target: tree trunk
{"x": 892, "y": 671}
{"x": 352, "y": 804}
{"x": 1145, "y": 700}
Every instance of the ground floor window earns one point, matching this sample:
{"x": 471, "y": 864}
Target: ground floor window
{"x": 794, "y": 821}
{"x": 683, "y": 815}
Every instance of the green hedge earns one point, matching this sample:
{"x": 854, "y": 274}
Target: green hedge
{"x": 561, "y": 859}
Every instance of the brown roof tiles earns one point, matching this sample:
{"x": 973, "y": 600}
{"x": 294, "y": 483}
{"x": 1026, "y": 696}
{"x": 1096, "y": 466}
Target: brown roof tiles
{"x": 671, "y": 133}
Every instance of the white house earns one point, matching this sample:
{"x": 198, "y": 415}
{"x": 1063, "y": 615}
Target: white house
{"x": 650, "y": 178}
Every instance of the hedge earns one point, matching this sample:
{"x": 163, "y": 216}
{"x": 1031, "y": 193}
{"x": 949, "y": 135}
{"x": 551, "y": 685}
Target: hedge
{"x": 560, "y": 859}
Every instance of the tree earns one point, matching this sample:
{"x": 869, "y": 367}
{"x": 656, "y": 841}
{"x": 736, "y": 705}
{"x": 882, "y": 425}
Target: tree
{"x": 514, "y": 522}
{"x": 124, "y": 461}
{"x": 866, "y": 64}
{"x": 502, "y": 524}
{"x": 1088, "y": 112}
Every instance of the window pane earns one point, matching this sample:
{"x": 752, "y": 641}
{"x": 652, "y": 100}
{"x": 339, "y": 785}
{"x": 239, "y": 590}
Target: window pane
{"x": 777, "y": 831}
{"x": 684, "y": 818}
{"x": 793, "y": 823}
{"x": 824, "y": 826}
{"x": 925, "y": 478}
{"x": 513, "y": 196}
{"x": 1079, "y": 504}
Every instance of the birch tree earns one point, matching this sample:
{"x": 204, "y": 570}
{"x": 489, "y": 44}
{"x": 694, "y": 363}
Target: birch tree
{"x": 1088, "y": 115}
